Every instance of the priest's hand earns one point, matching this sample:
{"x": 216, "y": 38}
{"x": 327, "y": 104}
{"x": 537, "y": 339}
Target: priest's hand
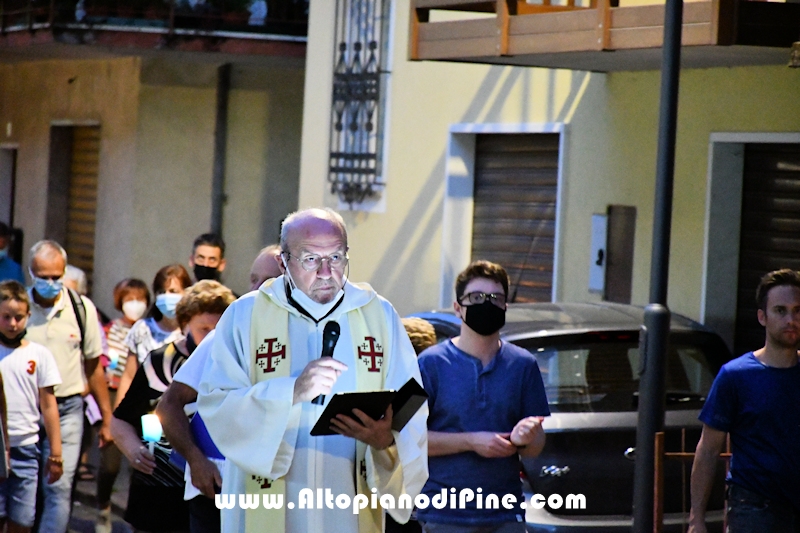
{"x": 375, "y": 433}
{"x": 317, "y": 378}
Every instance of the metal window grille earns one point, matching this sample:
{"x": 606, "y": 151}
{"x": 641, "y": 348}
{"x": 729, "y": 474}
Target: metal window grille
{"x": 357, "y": 110}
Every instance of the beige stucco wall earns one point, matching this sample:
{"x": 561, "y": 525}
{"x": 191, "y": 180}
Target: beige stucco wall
{"x": 174, "y": 158}
{"x": 175, "y": 155}
{"x": 35, "y": 94}
{"x": 610, "y": 156}
{"x": 751, "y": 99}
{"x": 157, "y": 119}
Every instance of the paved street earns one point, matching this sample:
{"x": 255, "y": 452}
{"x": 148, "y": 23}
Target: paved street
{"x": 84, "y": 511}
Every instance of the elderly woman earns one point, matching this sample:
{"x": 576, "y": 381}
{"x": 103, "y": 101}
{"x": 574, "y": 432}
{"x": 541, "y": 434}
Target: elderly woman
{"x": 155, "y": 498}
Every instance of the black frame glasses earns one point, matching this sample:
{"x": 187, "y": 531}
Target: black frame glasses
{"x": 477, "y": 298}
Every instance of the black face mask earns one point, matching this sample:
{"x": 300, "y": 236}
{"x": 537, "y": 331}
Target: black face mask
{"x": 205, "y": 272}
{"x": 13, "y": 342}
{"x": 484, "y": 319}
{"x": 190, "y": 344}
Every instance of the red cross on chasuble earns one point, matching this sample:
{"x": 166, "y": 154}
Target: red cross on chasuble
{"x": 270, "y": 357}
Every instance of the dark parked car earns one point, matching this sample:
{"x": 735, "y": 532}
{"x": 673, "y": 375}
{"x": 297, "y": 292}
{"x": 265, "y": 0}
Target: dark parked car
{"x": 588, "y": 355}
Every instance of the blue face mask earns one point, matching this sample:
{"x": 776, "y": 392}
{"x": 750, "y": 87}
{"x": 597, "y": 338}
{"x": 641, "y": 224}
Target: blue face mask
{"x": 47, "y": 288}
{"x": 167, "y": 302}
{"x": 3, "y": 253}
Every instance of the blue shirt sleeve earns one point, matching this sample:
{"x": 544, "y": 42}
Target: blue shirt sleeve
{"x": 428, "y": 372}
{"x": 721, "y": 404}
{"x": 534, "y": 398}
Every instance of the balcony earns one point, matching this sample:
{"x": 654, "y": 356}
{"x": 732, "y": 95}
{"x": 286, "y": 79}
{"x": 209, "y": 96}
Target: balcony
{"x": 601, "y": 35}
{"x": 50, "y": 28}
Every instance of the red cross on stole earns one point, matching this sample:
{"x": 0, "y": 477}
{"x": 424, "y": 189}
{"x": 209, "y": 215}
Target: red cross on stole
{"x": 264, "y": 482}
{"x": 272, "y": 352}
{"x": 374, "y": 353}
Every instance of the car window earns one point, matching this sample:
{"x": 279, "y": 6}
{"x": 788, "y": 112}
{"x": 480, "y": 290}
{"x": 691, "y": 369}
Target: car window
{"x": 596, "y": 374}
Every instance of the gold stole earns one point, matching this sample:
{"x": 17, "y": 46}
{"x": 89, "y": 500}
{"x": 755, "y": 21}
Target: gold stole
{"x": 270, "y": 357}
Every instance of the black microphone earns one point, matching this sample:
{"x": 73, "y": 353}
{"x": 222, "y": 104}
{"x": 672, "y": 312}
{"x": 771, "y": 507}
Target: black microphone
{"x": 330, "y": 336}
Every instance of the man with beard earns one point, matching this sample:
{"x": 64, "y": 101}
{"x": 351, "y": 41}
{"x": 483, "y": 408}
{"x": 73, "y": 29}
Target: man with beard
{"x": 755, "y": 400}
{"x": 486, "y": 401}
{"x": 257, "y": 393}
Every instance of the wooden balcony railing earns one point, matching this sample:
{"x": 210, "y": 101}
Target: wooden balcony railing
{"x": 723, "y": 32}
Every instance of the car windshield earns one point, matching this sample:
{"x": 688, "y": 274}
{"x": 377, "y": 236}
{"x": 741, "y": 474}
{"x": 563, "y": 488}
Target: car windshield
{"x": 599, "y": 372}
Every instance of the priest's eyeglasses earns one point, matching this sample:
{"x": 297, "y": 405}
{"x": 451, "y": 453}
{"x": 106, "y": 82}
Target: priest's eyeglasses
{"x": 477, "y": 298}
{"x": 312, "y": 262}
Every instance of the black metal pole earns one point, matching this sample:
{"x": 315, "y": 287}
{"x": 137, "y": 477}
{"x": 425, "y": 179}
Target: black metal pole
{"x": 220, "y": 141}
{"x": 657, "y": 315}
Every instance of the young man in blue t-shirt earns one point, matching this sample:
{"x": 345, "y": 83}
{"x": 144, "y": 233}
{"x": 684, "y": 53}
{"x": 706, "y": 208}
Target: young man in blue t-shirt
{"x": 756, "y": 400}
{"x": 486, "y": 401}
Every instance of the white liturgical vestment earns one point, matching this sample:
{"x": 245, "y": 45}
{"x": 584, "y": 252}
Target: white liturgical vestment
{"x": 260, "y": 432}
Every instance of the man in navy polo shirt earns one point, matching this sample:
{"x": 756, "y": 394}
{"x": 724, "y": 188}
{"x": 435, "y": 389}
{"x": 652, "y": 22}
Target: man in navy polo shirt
{"x": 756, "y": 400}
{"x": 486, "y": 401}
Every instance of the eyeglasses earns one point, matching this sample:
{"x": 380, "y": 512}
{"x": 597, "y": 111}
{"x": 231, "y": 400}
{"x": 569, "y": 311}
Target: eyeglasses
{"x": 477, "y": 298}
{"x": 312, "y": 262}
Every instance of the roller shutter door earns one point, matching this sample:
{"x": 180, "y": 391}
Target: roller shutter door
{"x": 82, "y": 205}
{"x": 516, "y": 181}
{"x": 770, "y": 233}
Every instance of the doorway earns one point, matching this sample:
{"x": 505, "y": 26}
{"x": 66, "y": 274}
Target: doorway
{"x": 753, "y": 226}
{"x": 72, "y": 193}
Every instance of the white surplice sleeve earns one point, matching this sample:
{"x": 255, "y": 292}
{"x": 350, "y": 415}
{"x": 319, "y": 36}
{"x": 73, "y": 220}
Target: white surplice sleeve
{"x": 254, "y": 426}
{"x": 402, "y": 468}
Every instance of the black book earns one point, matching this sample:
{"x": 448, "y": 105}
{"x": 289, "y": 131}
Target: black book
{"x": 405, "y": 402}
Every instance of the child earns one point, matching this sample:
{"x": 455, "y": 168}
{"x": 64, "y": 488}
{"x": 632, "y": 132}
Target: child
{"x": 29, "y": 373}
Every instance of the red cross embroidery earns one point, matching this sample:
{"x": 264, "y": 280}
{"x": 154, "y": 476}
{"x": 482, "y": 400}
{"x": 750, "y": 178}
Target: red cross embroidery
{"x": 265, "y": 483}
{"x": 266, "y": 352}
{"x": 375, "y": 350}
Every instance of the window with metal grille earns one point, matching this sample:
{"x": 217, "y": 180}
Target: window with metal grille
{"x": 355, "y": 172}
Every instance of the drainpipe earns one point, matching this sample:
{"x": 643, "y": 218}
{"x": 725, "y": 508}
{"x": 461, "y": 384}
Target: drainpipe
{"x": 218, "y": 196}
{"x": 657, "y": 316}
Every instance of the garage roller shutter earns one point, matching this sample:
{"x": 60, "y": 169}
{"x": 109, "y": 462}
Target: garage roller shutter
{"x": 770, "y": 234}
{"x": 82, "y": 206}
{"x": 516, "y": 180}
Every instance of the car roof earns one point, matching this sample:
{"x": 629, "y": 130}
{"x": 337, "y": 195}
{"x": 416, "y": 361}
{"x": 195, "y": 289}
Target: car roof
{"x": 547, "y": 319}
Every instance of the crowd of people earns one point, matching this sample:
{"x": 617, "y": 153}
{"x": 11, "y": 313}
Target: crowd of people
{"x": 69, "y": 374}
{"x": 237, "y": 384}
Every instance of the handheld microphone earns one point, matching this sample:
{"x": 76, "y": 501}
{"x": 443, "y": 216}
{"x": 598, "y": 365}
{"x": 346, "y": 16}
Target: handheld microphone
{"x": 330, "y": 336}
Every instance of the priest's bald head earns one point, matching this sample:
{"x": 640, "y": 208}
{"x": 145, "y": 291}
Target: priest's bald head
{"x": 314, "y": 252}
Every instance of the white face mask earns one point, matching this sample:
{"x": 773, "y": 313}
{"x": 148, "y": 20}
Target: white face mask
{"x": 315, "y": 309}
{"x": 134, "y": 309}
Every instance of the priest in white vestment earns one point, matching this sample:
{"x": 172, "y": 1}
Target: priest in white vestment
{"x": 263, "y": 429}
